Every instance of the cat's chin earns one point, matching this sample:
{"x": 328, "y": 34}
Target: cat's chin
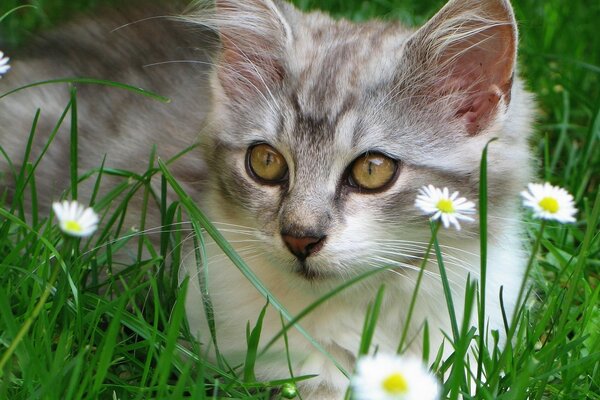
{"x": 311, "y": 271}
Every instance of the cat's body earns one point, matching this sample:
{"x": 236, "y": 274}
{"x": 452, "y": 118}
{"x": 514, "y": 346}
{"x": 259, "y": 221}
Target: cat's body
{"x": 319, "y": 94}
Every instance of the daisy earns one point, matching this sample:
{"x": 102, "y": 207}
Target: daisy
{"x": 390, "y": 377}
{"x": 448, "y": 208}
{"x": 4, "y": 67}
{"x": 74, "y": 219}
{"x": 549, "y": 202}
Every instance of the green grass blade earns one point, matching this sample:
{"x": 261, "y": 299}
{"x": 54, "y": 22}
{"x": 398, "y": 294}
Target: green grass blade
{"x": 445, "y": 282}
{"x": 253, "y": 340}
{"x": 12, "y": 10}
{"x": 371, "y": 318}
{"x": 107, "y": 350}
{"x": 91, "y": 81}
{"x": 314, "y": 305}
{"x": 483, "y": 236}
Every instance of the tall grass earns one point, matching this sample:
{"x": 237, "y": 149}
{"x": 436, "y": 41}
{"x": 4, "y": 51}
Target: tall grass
{"x": 77, "y": 322}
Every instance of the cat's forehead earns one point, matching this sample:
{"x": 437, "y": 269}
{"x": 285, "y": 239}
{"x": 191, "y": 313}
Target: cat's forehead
{"x": 333, "y": 63}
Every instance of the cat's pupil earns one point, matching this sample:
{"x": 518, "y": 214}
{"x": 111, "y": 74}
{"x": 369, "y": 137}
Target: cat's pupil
{"x": 372, "y": 171}
{"x": 266, "y": 164}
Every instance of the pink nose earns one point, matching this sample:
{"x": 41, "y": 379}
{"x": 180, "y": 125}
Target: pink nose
{"x": 302, "y": 247}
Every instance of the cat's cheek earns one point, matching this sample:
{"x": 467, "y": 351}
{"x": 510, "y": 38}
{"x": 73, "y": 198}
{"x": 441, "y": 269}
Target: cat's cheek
{"x": 239, "y": 197}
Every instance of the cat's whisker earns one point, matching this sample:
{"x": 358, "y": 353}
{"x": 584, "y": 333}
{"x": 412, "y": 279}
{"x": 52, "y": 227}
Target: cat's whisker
{"x": 448, "y": 260}
{"x": 401, "y": 247}
{"x": 426, "y": 244}
{"x": 244, "y": 252}
{"x": 240, "y": 251}
{"x": 179, "y": 245}
{"x": 420, "y": 252}
{"x": 171, "y": 62}
{"x": 248, "y": 256}
{"x": 238, "y": 232}
{"x": 148, "y": 231}
{"x": 235, "y": 225}
{"x": 141, "y": 20}
{"x": 411, "y": 267}
{"x": 384, "y": 261}
{"x": 233, "y": 241}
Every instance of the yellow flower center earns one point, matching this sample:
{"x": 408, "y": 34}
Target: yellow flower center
{"x": 73, "y": 226}
{"x": 549, "y": 204}
{"x": 445, "y": 206}
{"x": 395, "y": 384}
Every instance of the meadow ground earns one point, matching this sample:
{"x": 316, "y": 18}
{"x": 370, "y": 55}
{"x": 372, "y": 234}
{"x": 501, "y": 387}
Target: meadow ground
{"x": 66, "y": 334}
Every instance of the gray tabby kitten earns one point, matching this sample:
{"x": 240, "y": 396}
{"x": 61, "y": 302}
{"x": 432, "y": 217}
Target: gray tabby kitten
{"x": 318, "y": 136}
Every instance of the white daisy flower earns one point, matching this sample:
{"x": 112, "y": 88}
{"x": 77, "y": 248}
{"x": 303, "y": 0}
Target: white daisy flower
{"x": 549, "y": 202}
{"x": 4, "y": 67}
{"x": 391, "y": 377}
{"x": 74, "y": 219}
{"x": 448, "y": 208}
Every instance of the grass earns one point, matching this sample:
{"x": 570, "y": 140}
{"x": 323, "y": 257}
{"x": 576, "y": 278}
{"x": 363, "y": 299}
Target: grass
{"x": 70, "y": 329}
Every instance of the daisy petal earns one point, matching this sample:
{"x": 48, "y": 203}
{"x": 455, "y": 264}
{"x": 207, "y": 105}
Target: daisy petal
{"x": 443, "y": 206}
{"x": 387, "y": 377}
{"x": 74, "y": 219}
{"x": 549, "y": 202}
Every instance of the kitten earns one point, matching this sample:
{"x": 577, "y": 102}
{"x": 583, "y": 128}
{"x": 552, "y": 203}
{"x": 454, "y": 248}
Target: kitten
{"x": 301, "y": 103}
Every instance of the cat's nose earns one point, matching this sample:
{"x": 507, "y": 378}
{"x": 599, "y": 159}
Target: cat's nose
{"x": 303, "y": 247}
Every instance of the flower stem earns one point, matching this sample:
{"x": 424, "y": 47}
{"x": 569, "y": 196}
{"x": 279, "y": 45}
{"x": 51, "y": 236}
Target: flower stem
{"x": 513, "y": 325}
{"x": 413, "y": 300}
{"x": 534, "y": 250}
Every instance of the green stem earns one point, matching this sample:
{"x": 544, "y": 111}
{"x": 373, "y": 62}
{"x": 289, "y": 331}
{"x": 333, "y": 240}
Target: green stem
{"x": 534, "y": 250}
{"x": 413, "y": 300}
{"x": 447, "y": 290}
{"x": 513, "y": 325}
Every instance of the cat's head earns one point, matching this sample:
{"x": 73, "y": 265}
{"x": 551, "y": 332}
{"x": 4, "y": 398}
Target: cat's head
{"x": 322, "y": 130}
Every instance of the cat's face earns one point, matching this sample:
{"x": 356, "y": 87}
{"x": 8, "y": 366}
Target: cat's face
{"x": 324, "y": 131}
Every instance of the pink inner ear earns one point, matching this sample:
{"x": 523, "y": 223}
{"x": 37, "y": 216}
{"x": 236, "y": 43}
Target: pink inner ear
{"x": 479, "y": 74}
{"x": 480, "y": 110}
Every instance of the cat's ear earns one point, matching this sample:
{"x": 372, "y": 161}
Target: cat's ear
{"x": 254, "y": 35}
{"x": 465, "y": 58}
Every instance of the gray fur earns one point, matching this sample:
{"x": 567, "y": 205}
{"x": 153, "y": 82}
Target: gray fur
{"x": 113, "y": 45}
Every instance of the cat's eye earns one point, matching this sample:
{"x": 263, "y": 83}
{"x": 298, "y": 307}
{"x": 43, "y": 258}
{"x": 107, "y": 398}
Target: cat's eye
{"x": 372, "y": 172}
{"x": 266, "y": 165}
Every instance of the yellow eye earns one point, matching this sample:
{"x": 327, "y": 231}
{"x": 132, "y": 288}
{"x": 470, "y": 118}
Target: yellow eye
{"x": 266, "y": 164}
{"x": 373, "y": 171}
